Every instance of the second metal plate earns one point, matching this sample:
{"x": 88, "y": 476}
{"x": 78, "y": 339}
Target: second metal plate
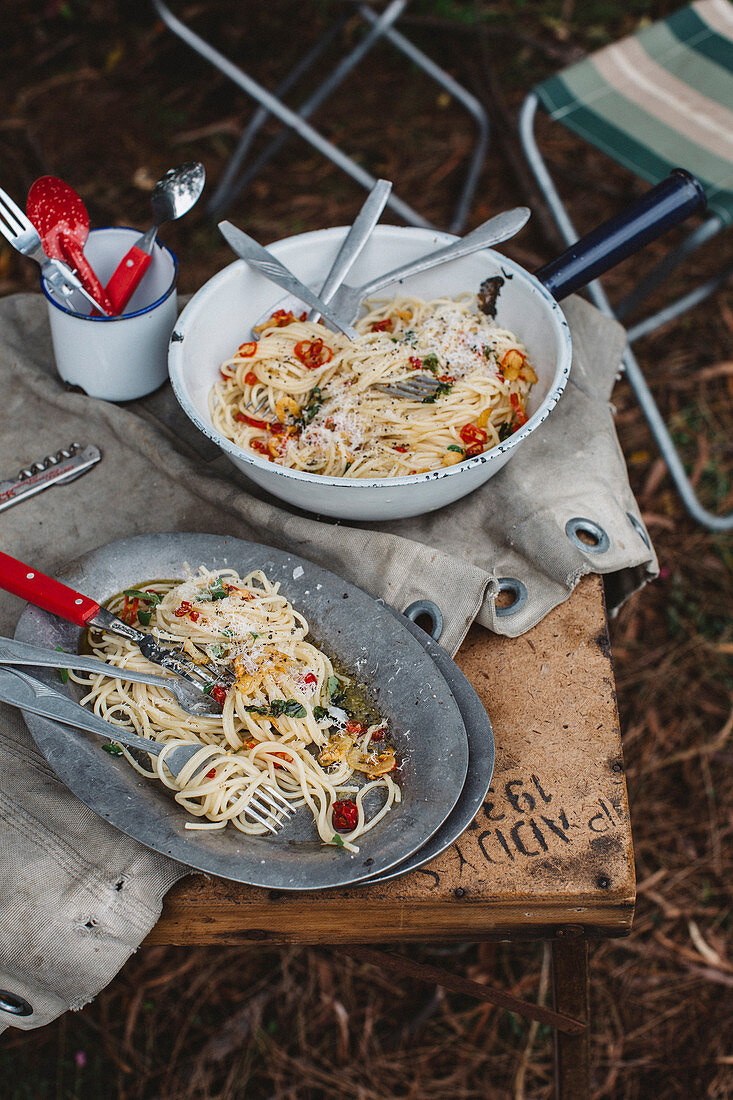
{"x": 404, "y": 681}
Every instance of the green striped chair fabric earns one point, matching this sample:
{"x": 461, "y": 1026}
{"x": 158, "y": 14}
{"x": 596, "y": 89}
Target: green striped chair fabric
{"x": 659, "y": 99}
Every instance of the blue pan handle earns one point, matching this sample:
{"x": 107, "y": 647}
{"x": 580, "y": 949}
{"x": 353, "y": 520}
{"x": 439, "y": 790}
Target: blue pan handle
{"x": 660, "y": 208}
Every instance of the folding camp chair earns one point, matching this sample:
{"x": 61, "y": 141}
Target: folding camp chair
{"x": 658, "y": 99}
{"x": 378, "y": 26}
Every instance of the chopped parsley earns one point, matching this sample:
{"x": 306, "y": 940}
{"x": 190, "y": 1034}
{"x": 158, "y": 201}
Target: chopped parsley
{"x": 455, "y": 447}
{"x": 144, "y": 615}
{"x": 431, "y": 362}
{"x": 291, "y": 708}
{"x": 112, "y": 748}
{"x": 313, "y": 404}
{"x": 442, "y": 387}
{"x": 63, "y": 672}
{"x": 138, "y": 594}
{"x": 215, "y": 591}
{"x": 338, "y": 696}
{"x": 337, "y": 841}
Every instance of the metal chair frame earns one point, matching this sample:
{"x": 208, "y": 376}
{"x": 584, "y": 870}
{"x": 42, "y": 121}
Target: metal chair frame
{"x": 703, "y": 233}
{"x": 379, "y": 26}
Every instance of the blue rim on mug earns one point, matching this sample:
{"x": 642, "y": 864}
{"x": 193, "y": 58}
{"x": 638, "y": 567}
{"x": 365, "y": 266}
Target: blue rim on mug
{"x": 105, "y": 318}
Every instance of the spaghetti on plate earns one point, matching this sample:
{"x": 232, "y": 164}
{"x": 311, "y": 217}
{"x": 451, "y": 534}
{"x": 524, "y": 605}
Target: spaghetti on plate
{"x": 285, "y": 722}
{"x": 303, "y": 397}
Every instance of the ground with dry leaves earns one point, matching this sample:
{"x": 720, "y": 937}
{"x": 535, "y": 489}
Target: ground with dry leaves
{"x": 103, "y": 96}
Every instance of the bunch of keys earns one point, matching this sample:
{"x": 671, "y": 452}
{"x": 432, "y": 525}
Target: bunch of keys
{"x": 56, "y": 469}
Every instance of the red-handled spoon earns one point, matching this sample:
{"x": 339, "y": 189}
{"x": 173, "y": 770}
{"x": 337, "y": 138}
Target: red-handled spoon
{"x": 173, "y": 196}
{"x": 61, "y": 218}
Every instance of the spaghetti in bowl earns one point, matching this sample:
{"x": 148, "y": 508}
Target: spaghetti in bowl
{"x": 327, "y": 405}
{"x": 220, "y": 319}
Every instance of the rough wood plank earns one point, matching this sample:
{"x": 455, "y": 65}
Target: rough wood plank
{"x": 550, "y": 850}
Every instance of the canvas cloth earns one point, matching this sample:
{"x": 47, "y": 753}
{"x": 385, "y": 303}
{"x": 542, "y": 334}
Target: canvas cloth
{"x": 76, "y": 896}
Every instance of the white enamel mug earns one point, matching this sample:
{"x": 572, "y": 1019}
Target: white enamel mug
{"x": 116, "y": 358}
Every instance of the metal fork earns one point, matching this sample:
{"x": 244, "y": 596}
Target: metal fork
{"x": 266, "y": 805}
{"x": 13, "y": 652}
{"x": 201, "y": 675}
{"x": 57, "y": 598}
{"x": 20, "y": 232}
{"x": 420, "y": 387}
{"x": 354, "y": 242}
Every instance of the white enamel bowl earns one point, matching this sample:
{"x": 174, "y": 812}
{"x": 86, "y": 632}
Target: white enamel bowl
{"x": 220, "y": 316}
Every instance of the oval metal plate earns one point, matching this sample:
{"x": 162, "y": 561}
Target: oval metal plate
{"x": 481, "y": 755}
{"x": 351, "y": 626}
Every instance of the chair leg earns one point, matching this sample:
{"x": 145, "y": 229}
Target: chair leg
{"x": 321, "y": 93}
{"x": 434, "y": 975}
{"x": 383, "y": 26}
{"x": 597, "y": 294}
{"x": 291, "y": 118}
{"x": 669, "y": 263}
{"x": 229, "y": 186}
{"x": 469, "y": 102}
{"x": 681, "y": 305}
{"x": 572, "y": 997}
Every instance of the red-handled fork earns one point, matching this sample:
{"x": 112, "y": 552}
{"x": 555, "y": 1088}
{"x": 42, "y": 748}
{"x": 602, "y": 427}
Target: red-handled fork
{"x": 57, "y": 598}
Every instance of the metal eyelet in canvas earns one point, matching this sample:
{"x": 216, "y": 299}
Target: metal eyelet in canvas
{"x": 431, "y": 611}
{"x": 639, "y": 528}
{"x": 577, "y": 525}
{"x": 13, "y": 1003}
{"x": 518, "y": 591}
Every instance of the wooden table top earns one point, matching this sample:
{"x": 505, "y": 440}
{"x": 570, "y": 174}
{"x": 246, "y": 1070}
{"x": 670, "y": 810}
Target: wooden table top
{"x": 549, "y": 853}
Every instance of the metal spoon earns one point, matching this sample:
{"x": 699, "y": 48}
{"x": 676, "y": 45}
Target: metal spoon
{"x": 346, "y": 301}
{"x": 173, "y": 196}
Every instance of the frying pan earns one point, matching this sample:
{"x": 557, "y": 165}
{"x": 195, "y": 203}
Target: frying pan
{"x": 220, "y": 315}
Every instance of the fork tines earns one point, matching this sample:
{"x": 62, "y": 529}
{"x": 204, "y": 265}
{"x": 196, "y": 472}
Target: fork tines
{"x": 17, "y": 221}
{"x": 16, "y": 227}
{"x": 202, "y": 676}
{"x": 415, "y": 388}
{"x": 266, "y": 800}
